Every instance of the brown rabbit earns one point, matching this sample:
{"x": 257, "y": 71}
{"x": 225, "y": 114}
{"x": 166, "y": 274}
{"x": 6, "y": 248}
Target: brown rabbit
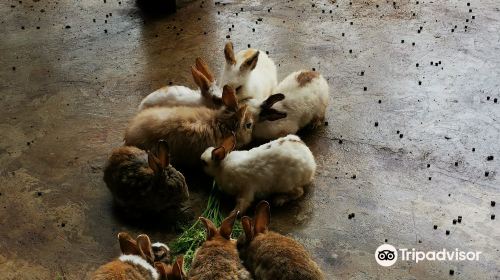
{"x": 145, "y": 183}
{"x": 217, "y": 258}
{"x": 272, "y": 256}
{"x": 190, "y": 130}
{"x": 171, "y": 272}
{"x": 135, "y": 263}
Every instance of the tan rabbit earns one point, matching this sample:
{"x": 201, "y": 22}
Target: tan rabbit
{"x": 135, "y": 263}
{"x": 272, "y": 256}
{"x": 190, "y": 130}
{"x": 217, "y": 258}
{"x": 171, "y": 272}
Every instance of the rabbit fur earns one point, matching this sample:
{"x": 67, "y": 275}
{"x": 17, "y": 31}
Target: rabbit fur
{"x": 251, "y": 72}
{"x": 260, "y": 171}
{"x": 272, "y": 256}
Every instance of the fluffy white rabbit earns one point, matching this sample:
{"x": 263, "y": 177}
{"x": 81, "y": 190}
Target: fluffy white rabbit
{"x": 250, "y": 72}
{"x": 300, "y": 100}
{"x": 209, "y": 93}
{"x": 282, "y": 168}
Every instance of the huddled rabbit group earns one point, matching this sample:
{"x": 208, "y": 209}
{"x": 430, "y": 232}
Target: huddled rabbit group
{"x": 209, "y": 128}
{"x": 257, "y": 254}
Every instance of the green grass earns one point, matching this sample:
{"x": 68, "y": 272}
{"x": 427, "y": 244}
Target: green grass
{"x": 193, "y": 236}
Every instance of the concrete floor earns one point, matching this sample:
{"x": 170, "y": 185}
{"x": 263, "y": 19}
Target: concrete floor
{"x": 406, "y": 146}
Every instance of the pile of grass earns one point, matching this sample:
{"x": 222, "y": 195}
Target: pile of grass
{"x": 192, "y": 237}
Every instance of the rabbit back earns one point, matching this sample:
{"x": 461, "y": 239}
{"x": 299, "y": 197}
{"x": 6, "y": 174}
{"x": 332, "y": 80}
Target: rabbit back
{"x": 217, "y": 261}
{"x": 135, "y": 186}
{"x": 261, "y": 168}
{"x": 188, "y": 131}
{"x": 172, "y": 96}
{"x": 274, "y": 256}
{"x": 306, "y": 99}
{"x": 122, "y": 270}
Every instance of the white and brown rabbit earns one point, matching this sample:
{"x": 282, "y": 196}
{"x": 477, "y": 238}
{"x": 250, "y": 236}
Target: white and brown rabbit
{"x": 209, "y": 93}
{"x": 270, "y": 255}
{"x": 135, "y": 263}
{"x": 217, "y": 258}
{"x": 300, "y": 99}
{"x": 190, "y": 130}
{"x": 174, "y": 271}
{"x": 145, "y": 182}
{"x": 282, "y": 168}
{"x": 251, "y": 72}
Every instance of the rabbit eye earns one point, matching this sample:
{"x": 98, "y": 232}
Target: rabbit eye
{"x": 249, "y": 125}
{"x": 238, "y": 88}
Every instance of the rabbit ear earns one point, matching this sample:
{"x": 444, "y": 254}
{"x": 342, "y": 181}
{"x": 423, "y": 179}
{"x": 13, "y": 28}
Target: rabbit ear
{"x": 246, "y": 223}
{"x": 229, "y": 97}
{"x": 128, "y": 245}
{"x": 229, "y": 53}
{"x": 163, "y": 269}
{"x": 218, "y": 154}
{"x": 229, "y": 143}
{"x": 226, "y": 227}
{"x": 226, "y": 147}
{"x": 202, "y": 66}
{"x": 271, "y": 114}
{"x": 250, "y": 63}
{"x": 177, "y": 270}
{"x": 144, "y": 246}
{"x": 262, "y": 217}
{"x": 200, "y": 80}
{"x": 269, "y": 102}
{"x": 211, "y": 229}
{"x": 163, "y": 154}
{"x": 154, "y": 162}
{"x": 195, "y": 74}
{"x": 241, "y": 112}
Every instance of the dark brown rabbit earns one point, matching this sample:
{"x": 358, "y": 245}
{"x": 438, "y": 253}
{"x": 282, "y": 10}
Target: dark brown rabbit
{"x": 190, "y": 130}
{"x": 145, "y": 182}
{"x": 217, "y": 258}
{"x": 272, "y": 256}
{"x": 135, "y": 263}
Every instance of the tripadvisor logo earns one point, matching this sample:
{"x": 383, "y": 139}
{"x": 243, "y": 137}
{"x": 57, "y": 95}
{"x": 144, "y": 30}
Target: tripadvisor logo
{"x": 387, "y": 255}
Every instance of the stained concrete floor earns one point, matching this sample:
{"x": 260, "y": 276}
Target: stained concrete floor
{"x": 413, "y": 117}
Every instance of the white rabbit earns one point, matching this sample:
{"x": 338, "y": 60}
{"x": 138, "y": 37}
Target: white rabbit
{"x": 209, "y": 93}
{"x": 282, "y": 167}
{"x": 251, "y": 72}
{"x": 300, "y": 100}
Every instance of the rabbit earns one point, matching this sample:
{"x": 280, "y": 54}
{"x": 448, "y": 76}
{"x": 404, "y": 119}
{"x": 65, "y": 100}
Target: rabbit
{"x": 171, "y": 272}
{"x": 260, "y": 170}
{"x": 251, "y": 72}
{"x": 209, "y": 93}
{"x": 303, "y": 98}
{"x": 161, "y": 252}
{"x": 135, "y": 263}
{"x": 190, "y": 130}
{"x": 145, "y": 182}
{"x": 270, "y": 255}
{"x": 217, "y": 258}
